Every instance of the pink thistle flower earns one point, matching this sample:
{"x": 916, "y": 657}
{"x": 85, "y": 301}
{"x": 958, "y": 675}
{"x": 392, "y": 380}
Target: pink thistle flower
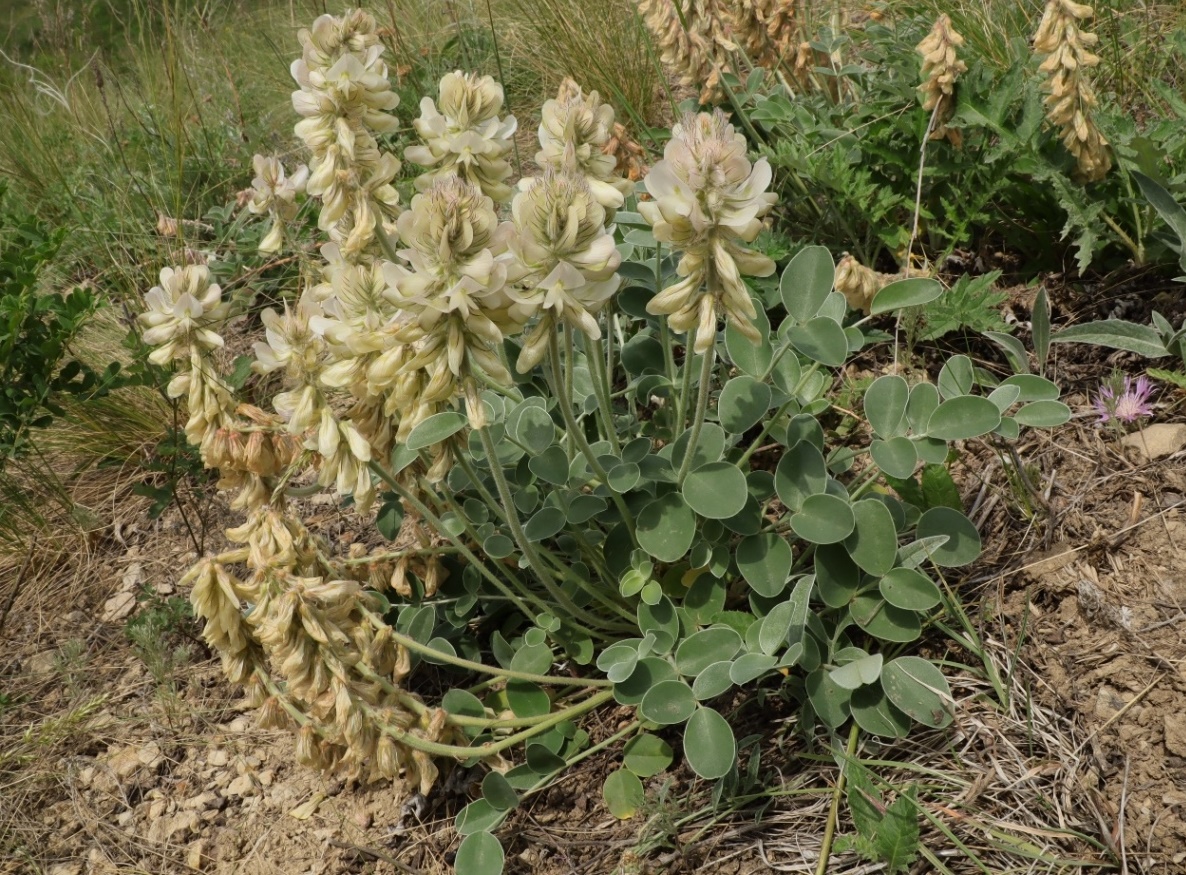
{"x": 1124, "y": 401}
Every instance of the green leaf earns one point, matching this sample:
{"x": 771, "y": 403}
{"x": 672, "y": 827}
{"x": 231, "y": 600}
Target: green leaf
{"x": 713, "y": 681}
{"x": 668, "y": 703}
{"x": 709, "y": 745}
{"x": 479, "y": 853}
{"x": 701, "y": 649}
{"x": 765, "y": 562}
{"x": 742, "y": 404}
{"x": 545, "y": 523}
{"x": 390, "y": 519}
{"x": 479, "y": 817}
{"x": 647, "y": 673}
{"x": 873, "y": 545}
{"x": 919, "y": 689}
{"x": 911, "y": 292}
{"x": 1033, "y": 388}
{"x": 534, "y": 429}
{"x": 896, "y": 841}
{"x": 551, "y": 466}
{"x": 1013, "y": 349}
{"x": 750, "y": 666}
{"x": 647, "y": 755}
{"x": 882, "y": 620}
{"x": 885, "y": 405}
{"x": 962, "y": 418}
{"x": 623, "y": 794}
{"x": 801, "y": 472}
{"x": 823, "y": 519}
{"x": 623, "y": 477}
{"x": 716, "y": 491}
{"x": 963, "y": 541}
{"x": 498, "y": 791}
{"x": 859, "y": 672}
{"x": 830, "y": 700}
{"x": 836, "y": 576}
{"x": 435, "y": 429}
{"x": 666, "y": 527}
{"x": 709, "y": 447}
{"x": 1043, "y": 414}
{"x": 1115, "y": 334}
{"x": 909, "y": 589}
{"x": 875, "y": 714}
{"x": 938, "y": 489}
{"x": 956, "y": 377}
{"x": 1040, "y": 325}
{"x": 1168, "y": 208}
{"x": 924, "y": 398}
{"x": 806, "y": 282}
{"x": 751, "y": 358}
{"x": 821, "y": 340}
{"x": 896, "y": 457}
{"x": 527, "y": 699}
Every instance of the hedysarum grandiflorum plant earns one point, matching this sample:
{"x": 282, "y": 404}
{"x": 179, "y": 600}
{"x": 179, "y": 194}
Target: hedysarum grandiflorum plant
{"x": 465, "y": 136}
{"x": 669, "y": 521}
{"x": 274, "y": 193}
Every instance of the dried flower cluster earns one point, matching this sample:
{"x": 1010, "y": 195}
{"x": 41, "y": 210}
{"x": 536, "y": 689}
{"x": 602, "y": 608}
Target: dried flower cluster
{"x": 1071, "y": 98}
{"x": 697, "y": 39}
{"x": 940, "y": 67}
{"x": 709, "y": 199}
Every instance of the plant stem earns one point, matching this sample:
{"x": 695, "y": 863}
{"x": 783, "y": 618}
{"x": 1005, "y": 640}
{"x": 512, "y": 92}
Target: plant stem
{"x": 834, "y": 812}
{"x": 605, "y": 407}
{"x": 708, "y": 360}
{"x": 525, "y": 545}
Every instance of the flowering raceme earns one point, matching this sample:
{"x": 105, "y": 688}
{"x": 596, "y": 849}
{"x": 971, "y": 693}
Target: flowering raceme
{"x": 565, "y": 260}
{"x": 708, "y": 199}
{"x": 464, "y": 136}
{"x": 573, "y": 131}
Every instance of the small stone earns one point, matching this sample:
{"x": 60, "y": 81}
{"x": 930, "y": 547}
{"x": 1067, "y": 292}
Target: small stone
{"x": 217, "y": 757}
{"x": 150, "y": 755}
{"x": 86, "y": 777}
{"x": 157, "y": 808}
{"x": 66, "y": 869}
{"x": 132, "y": 578}
{"x": 43, "y": 663}
{"x": 266, "y": 777}
{"x": 1108, "y": 703}
{"x": 118, "y": 607}
{"x": 242, "y": 786}
{"x": 125, "y": 817}
{"x": 1175, "y": 735}
{"x": 1158, "y": 440}
{"x": 196, "y": 856}
{"x": 203, "y": 801}
{"x": 182, "y": 825}
{"x": 239, "y": 724}
{"x": 363, "y": 819}
{"x": 252, "y": 760}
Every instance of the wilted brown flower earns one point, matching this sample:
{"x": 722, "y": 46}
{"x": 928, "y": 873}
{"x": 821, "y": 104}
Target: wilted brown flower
{"x": 940, "y": 67}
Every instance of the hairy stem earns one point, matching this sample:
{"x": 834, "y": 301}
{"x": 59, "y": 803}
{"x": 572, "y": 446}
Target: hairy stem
{"x": 707, "y": 361}
{"x": 834, "y": 812}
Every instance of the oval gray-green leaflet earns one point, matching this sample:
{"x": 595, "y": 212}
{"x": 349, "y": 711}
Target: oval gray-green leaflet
{"x": 918, "y": 689}
{"x": 963, "y": 418}
{"x": 750, "y": 666}
{"x": 646, "y": 755}
{"x": 716, "y": 491}
{"x": 751, "y": 358}
{"x": 743, "y": 403}
{"x": 875, "y": 714}
{"x": 478, "y": 817}
{"x": 1043, "y": 414}
{"x": 435, "y": 429}
{"x": 765, "y": 562}
{"x": 873, "y": 545}
{"x": 911, "y": 292}
{"x": 551, "y": 466}
{"x": 545, "y": 523}
{"x": 701, "y": 649}
{"x": 534, "y": 429}
{"x": 618, "y": 661}
{"x": 709, "y": 745}
{"x": 963, "y": 541}
{"x": 882, "y": 620}
{"x": 956, "y": 377}
{"x": 668, "y": 703}
{"x": 830, "y": 701}
{"x": 909, "y": 589}
{"x": 479, "y": 853}
{"x": 806, "y": 282}
{"x": 498, "y": 791}
{"x": 821, "y": 340}
{"x": 857, "y": 673}
{"x": 623, "y": 794}
{"x": 709, "y": 447}
{"x": 896, "y": 457}
{"x": 647, "y": 673}
{"x": 885, "y": 405}
{"x": 713, "y": 681}
{"x": 666, "y": 527}
{"x": 824, "y": 519}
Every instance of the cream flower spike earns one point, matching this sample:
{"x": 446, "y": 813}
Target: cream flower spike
{"x": 465, "y": 135}
{"x": 565, "y": 260}
{"x": 274, "y": 193}
{"x": 180, "y": 313}
{"x": 708, "y": 199}
{"x": 573, "y": 130}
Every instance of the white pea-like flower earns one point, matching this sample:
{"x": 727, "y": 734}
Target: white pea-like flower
{"x": 708, "y": 200}
{"x": 274, "y": 193}
{"x": 465, "y": 136}
{"x": 181, "y": 312}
